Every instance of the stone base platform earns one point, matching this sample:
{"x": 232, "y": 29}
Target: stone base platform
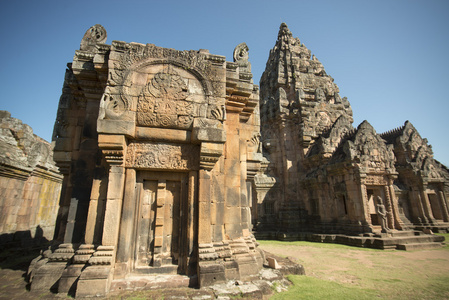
{"x": 151, "y": 282}
{"x": 261, "y": 286}
{"x": 400, "y": 240}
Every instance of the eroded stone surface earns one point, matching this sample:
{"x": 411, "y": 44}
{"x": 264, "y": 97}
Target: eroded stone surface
{"x": 30, "y": 185}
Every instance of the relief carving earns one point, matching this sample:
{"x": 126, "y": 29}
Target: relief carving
{"x": 162, "y": 156}
{"x": 114, "y": 106}
{"x": 216, "y": 112}
{"x": 163, "y": 103}
{"x": 93, "y": 36}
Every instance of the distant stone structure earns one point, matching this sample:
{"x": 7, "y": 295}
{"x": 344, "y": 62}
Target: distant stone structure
{"x": 30, "y": 185}
{"x": 322, "y": 175}
{"x": 158, "y": 148}
{"x": 164, "y": 152}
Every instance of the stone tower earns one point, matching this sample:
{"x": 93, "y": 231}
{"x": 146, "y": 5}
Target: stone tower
{"x": 321, "y": 175}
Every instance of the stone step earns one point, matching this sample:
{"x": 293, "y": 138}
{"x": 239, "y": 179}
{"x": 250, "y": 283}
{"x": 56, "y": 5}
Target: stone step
{"x": 413, "y": 239}
{"x": 419, "y": 246}
{"x": 166, "y": 269}
{"x": 406, "y": 233}
{"x": 146, "y": 282}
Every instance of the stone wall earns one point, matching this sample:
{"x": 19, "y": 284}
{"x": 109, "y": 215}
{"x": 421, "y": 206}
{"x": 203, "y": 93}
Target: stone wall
{"x": 30, "y": 185}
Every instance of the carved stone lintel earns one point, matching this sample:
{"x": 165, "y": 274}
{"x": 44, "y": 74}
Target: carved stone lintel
{"x": 162, "y": 156}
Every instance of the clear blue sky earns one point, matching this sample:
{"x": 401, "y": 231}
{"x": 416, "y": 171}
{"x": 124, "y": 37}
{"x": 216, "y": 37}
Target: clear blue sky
{"x": 390, "y": 58}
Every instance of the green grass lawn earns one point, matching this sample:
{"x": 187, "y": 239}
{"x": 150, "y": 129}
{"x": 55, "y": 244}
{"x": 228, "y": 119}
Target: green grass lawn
{"x": 336, "y": 271}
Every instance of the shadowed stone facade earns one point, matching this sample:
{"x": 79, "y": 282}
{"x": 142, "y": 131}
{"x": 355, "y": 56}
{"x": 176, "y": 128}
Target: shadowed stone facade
{"x": 170, "y": 161}
{"x": 325, "y": 176}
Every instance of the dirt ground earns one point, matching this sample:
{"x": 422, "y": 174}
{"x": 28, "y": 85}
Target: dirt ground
{"x": 422, "y": 274}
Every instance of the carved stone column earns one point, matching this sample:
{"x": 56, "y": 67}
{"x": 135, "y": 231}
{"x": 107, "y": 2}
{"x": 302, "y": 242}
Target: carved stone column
{"x": 443, "y": 205}
{"x": 364, "y": 195}
{"x": 426, "y": 205}
{"x": 126, "y": 237}
{"x": 97, "y": 277}
{"x": 399, "y": 224}
{"x": 419, "y": 203}
{"x": 209, "y": 271}
{"x": 389, "y": 208}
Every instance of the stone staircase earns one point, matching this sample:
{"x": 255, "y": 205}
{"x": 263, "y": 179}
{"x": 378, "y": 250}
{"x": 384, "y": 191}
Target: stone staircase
{"x": 399, "y": 240}
{"x": 408, "y": 240}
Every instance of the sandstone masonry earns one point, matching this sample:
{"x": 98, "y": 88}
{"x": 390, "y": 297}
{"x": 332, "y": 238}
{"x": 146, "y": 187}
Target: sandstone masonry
{"x": 158, "y": 148}
{"x": 30, "y": 185}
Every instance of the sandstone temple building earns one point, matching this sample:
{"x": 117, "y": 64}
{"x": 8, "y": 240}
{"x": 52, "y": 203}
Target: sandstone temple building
{"x": 172, "y": 160}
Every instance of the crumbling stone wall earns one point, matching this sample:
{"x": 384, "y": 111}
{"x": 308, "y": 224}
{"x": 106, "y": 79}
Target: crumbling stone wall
{"x": 30, "y": 185}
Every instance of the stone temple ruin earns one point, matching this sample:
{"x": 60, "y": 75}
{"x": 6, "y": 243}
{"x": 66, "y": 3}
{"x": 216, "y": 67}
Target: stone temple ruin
{"x": 325, "y": 176}
{"x": 171, "y": 162}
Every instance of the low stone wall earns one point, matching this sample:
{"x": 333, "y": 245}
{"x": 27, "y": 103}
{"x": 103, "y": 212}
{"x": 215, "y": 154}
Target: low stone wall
{"x": 30, "y": 185}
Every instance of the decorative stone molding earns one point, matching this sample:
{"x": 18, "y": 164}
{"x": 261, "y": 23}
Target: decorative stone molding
{"x": 93, "y": 36}
{"x": 64, "y": 252}
{"x": 102, "y": 256}
{"x": 83, "y": 254}
{"x": 207, "y": 252}
{"x": 210, "y": 153}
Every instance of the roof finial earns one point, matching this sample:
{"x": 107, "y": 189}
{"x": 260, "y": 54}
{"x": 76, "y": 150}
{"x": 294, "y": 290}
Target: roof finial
{"x": 93, "y": 36}
{"x": 284, "y": 31}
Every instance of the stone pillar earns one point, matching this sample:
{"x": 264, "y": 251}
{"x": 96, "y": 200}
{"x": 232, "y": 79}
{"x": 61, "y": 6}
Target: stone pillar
{"x": 96, "y": 278}
{"x": 126, "y": 237}
{"x": 443, "y": 205}
{"x": 192, "y": 224}
{"x": 364, "y": 196}
{"x": 93, "y": 211}
{"x": 389, "y": 208}
{"x": 426, "y": 205}
{"x": 64, "y": 206}
{"x": 210, "y": 271}
{"x": 399, "y": 224}
{"x": 232, "y": 214}
{"x": 204, "y": 230}
{"x": 419, "y": 204}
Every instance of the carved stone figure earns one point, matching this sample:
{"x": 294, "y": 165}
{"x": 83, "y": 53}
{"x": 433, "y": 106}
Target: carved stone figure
{"x": 382, "y": 214}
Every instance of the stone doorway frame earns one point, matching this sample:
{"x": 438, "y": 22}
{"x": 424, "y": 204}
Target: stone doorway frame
{"x": 186, "y": 226}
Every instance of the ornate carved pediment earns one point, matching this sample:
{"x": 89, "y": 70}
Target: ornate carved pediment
{"x": 369, "y": 150}
{"x": 329, "y": 141}
{"x": 163, "y": 103}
